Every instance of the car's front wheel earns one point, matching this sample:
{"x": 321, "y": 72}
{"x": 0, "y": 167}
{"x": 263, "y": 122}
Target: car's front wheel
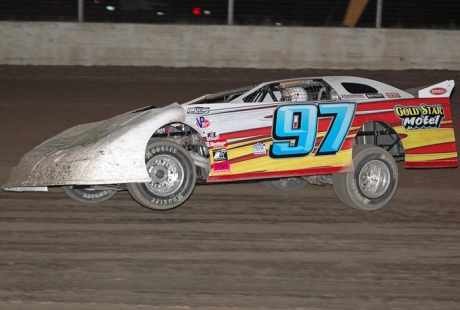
{"x": 172, "y": 177}
{"x": 373, "y": 182}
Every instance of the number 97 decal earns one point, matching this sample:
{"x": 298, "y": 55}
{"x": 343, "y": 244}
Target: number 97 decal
{"x": 299, "y": 123}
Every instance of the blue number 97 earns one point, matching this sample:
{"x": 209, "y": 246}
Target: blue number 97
{"x": 295, "y": 128}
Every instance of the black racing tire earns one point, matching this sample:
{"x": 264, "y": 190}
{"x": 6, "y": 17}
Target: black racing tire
{"x": 88, "y": 194}
{"x": 373, "y": 182}
{"x": 288, "y": 184}
{"x": 172, "y": 173}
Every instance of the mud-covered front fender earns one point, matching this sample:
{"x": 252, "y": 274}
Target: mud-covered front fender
{"x": 106, "y": 152}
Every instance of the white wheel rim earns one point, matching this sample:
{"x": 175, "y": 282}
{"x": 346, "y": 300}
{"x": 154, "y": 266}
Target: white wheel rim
{"x": 374, "y": 178}
{"x": 166, "y": 174}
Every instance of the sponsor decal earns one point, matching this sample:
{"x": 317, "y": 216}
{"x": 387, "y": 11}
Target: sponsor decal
{"x": 212, "y": 135}
{"x": 220, "y": 155}
{"x": 259, "y": 148}
{"x": 375, "y": 96}
{"x": 357, "y": 96}
{"x": 223, "y": 166}
{"x": 198, "y": 110}
{"x": 202, "y": 122}
{"x": 393, "y": 95}
{"x": 438, "y": 91}
{"x": 217, "y": 144}
{"x": 423, "y": 116}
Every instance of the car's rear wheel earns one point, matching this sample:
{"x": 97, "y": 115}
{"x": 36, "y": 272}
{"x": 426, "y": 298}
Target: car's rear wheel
{"x": 172, "y": 173}
{"x": 87, "y": 194}
{"x": 288, "y": 184}
{"x": 373, "y": 182}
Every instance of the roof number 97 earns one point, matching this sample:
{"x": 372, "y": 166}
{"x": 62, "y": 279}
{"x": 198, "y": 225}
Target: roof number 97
{"x": 295, "y": 128}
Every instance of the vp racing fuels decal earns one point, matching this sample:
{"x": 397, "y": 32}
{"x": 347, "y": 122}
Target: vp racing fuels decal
{"x": 202, "y": 122}
{"x": 295, "y": 128}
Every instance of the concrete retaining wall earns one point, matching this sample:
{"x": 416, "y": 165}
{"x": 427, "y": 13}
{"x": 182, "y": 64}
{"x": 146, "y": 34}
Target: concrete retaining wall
{"x": 227, "y": 46}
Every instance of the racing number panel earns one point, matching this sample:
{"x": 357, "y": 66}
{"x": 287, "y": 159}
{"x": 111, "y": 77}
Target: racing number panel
{"x": 299, "y": 123}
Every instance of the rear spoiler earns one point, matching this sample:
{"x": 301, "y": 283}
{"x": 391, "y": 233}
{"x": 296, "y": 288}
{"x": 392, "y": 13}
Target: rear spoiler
{"x": 443, "y": 89}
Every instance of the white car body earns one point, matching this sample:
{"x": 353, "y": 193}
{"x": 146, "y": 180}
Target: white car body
{"x": 239, "y": 135}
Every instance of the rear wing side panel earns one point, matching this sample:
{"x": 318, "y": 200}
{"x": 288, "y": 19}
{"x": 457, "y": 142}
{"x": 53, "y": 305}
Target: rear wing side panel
{"x": 443, "y": 89}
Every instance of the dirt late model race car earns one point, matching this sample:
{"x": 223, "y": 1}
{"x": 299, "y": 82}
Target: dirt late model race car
{"x": 344, "y": 131}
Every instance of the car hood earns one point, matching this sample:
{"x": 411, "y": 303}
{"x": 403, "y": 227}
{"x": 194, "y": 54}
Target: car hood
{"x": 106, "y": 152}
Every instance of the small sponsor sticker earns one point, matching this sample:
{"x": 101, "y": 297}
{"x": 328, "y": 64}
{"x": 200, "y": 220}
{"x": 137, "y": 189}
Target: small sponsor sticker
{"x": 220, "y": 155}
{"x": 393, "y": 95}
{"x": 223, "y": 166}
{"x": 198, "y": 110}
{"x": 375, "y": 96}
{"x": 353, "y": 96}
{"x": 259, "y": 148}
{"x": 438, "y": 91}
{"x": 217, "y": 144}
{"x": 202, "y": 122}
{"x": 212, "y": 135}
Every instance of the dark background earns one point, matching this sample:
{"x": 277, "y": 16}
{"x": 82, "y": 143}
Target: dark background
{"x": 442, "y": 14}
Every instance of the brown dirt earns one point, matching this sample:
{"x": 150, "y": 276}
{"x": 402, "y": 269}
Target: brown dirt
{"x": 229, "y": 246}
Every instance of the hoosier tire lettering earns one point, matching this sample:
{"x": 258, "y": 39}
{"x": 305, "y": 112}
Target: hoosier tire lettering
{"x": 172, "y": 176}
{"x": 87, "y": 194}
{"x": 151, "y": 152}
{"x": 99, "y": 194}
{"x": 167, "y": 201}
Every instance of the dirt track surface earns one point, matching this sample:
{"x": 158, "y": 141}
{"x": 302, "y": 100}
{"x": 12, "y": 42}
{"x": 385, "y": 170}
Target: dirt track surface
{"x": 235, "y": 246}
